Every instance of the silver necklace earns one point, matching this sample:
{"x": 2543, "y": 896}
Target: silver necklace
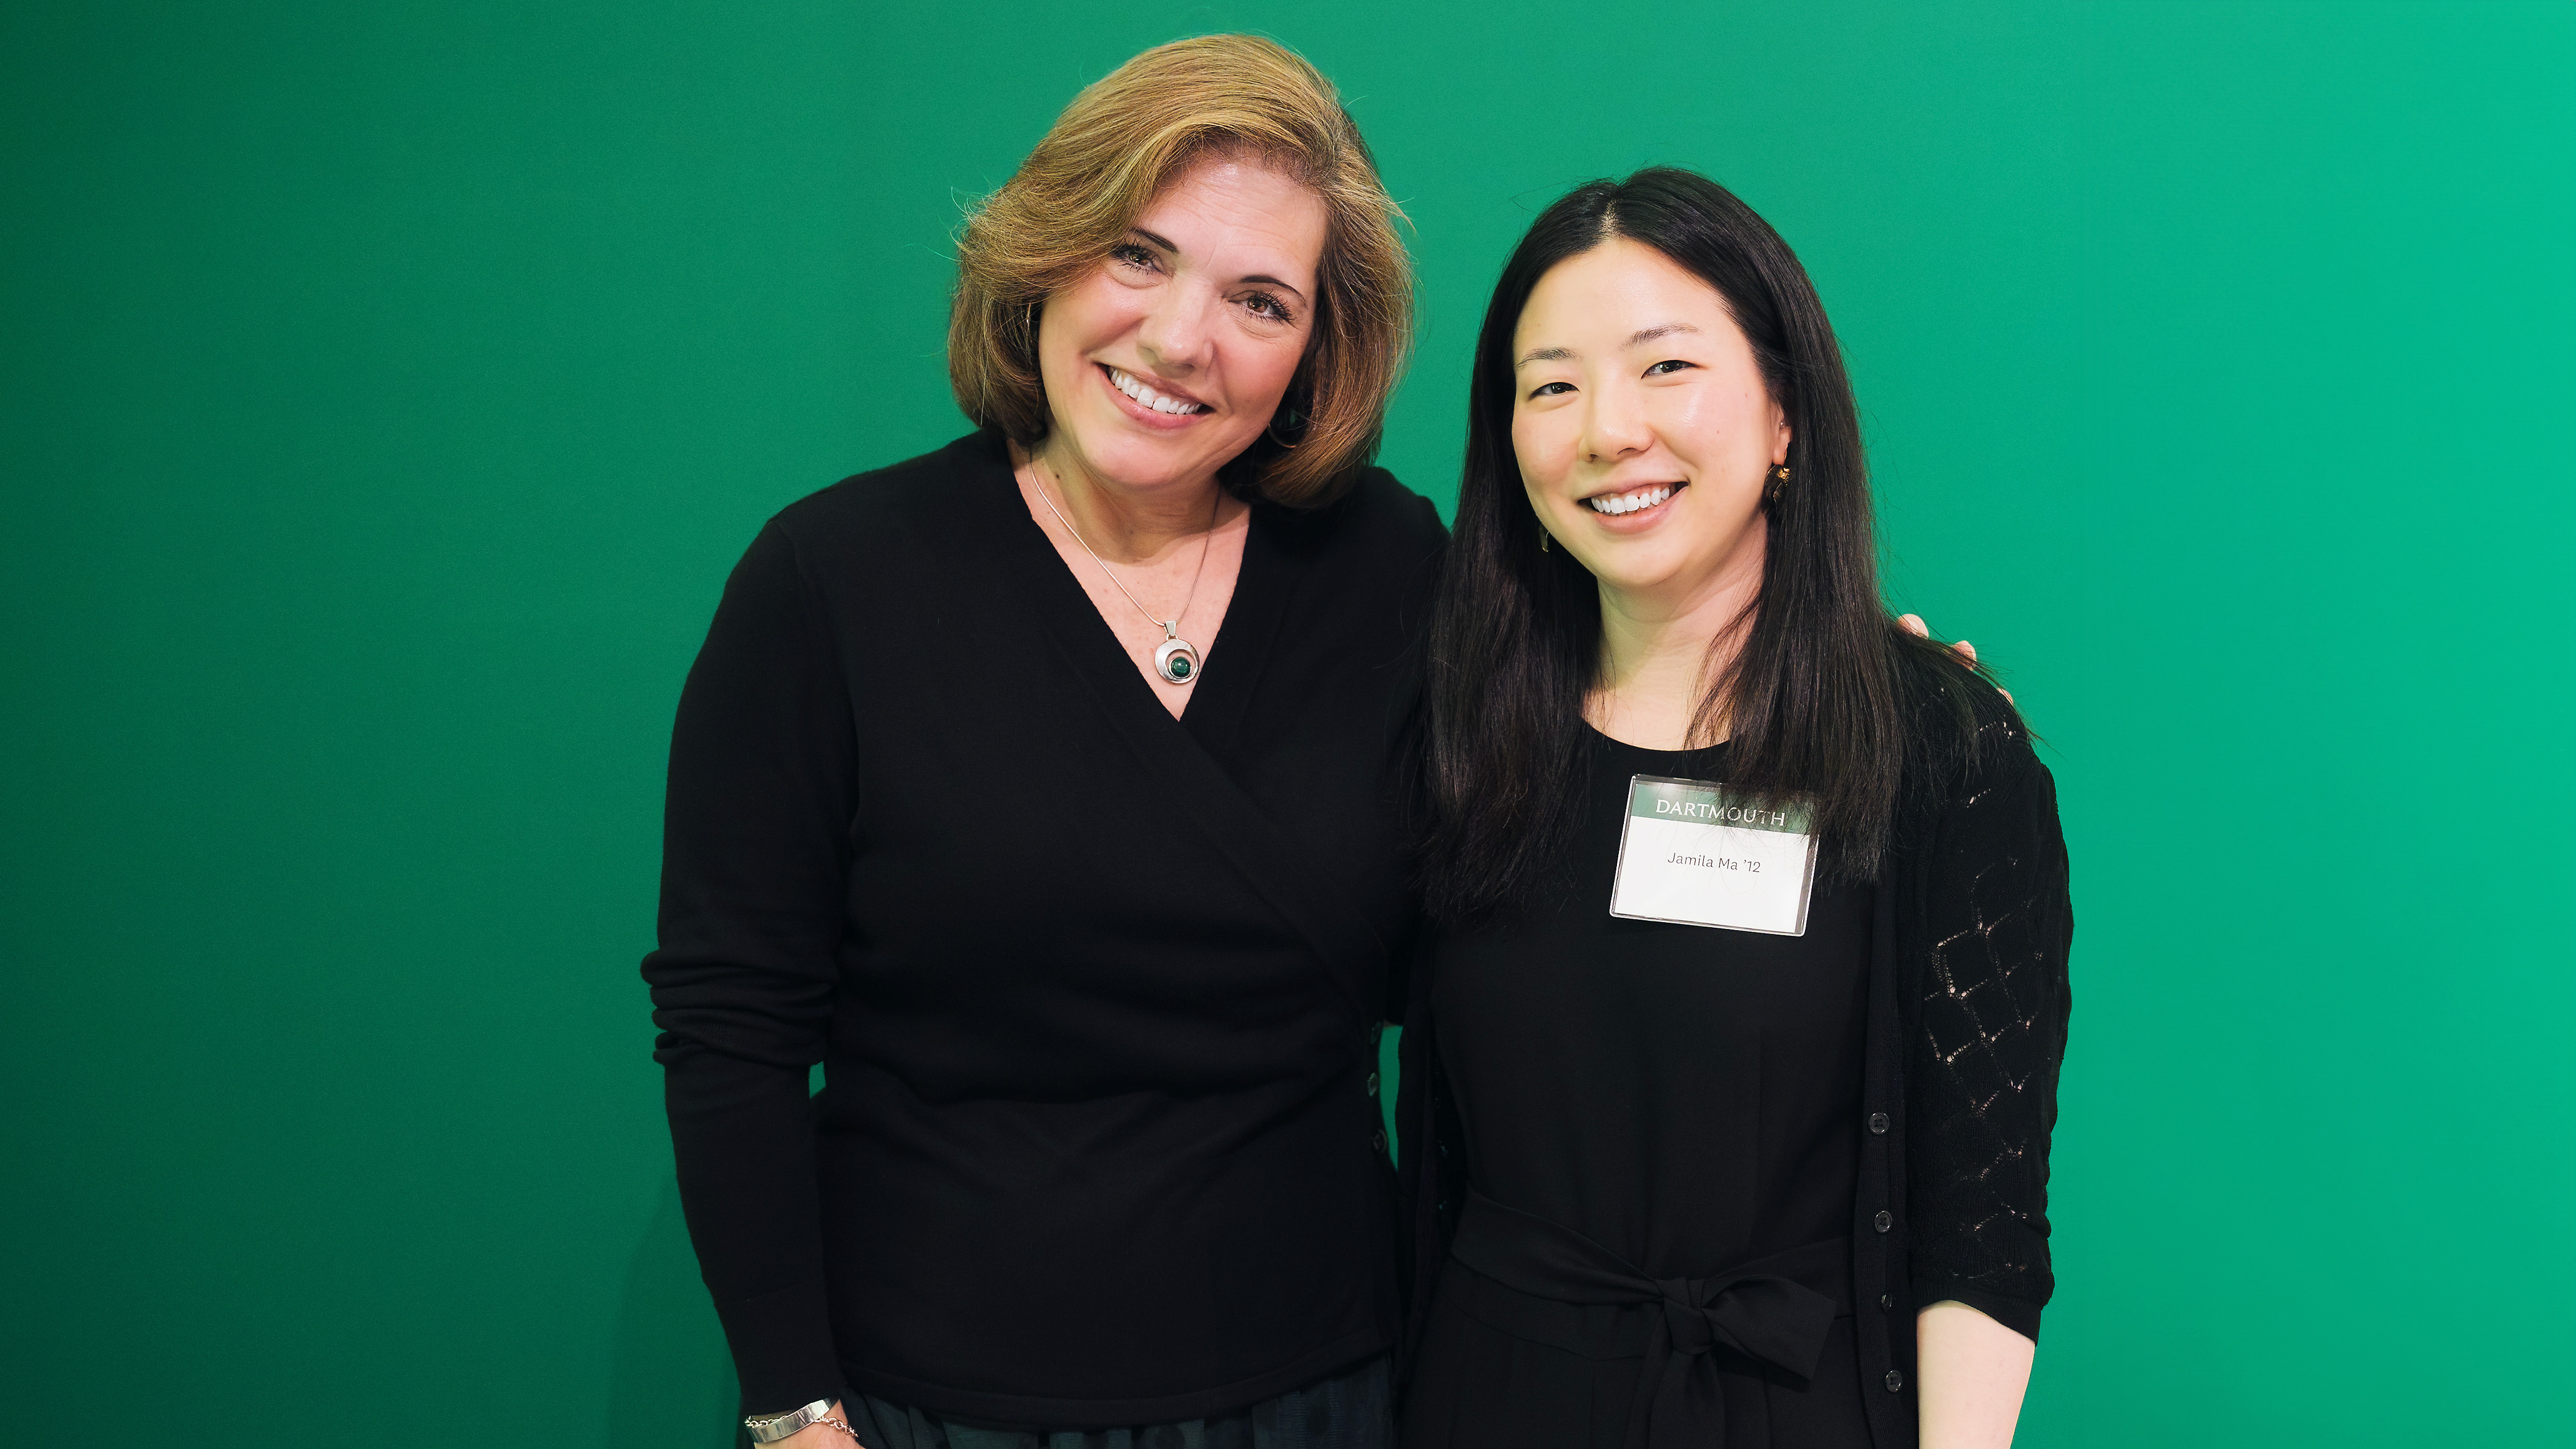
{"x": 1177, "y": 661}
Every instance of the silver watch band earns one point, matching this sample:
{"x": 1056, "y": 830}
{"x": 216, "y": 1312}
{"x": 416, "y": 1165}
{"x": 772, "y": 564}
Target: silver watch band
{"x": 770, "y": 1428}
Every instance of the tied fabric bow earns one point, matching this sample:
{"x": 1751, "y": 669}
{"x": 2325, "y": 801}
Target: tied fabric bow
{"x": 1777, "y": 1320}
{"x": 1756, "y": 1311}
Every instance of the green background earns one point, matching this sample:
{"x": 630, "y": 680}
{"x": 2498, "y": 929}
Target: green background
{"x": 388, "y": 388}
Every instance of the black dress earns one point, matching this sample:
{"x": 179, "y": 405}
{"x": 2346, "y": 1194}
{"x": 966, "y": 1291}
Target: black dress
{"x": 1537, "y": 1314}
{"x": 1687, "y": 1099}
{"x": 1097, "y": 991}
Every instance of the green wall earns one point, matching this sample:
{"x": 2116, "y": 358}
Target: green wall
{"x": 388, "y": 388}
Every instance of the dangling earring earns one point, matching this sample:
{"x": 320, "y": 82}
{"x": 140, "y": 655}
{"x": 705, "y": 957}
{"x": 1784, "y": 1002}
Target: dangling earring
{"x": 1779, "y": 480}
{"x": 1543, "y": 537}
{"x": 1271, "y": 430}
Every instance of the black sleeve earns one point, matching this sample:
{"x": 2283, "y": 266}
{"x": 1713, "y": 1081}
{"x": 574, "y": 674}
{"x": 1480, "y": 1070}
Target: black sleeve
{"x": 1406, "y": 750}
{"x": 1989, "y": 1033}
{"x": 755, "y": 856}
{"x": 1431, "y": 1161}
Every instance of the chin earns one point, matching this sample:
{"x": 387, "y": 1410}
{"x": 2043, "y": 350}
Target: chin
{"x": 1120, "y": 454}
{"x": 1644, "y": 571}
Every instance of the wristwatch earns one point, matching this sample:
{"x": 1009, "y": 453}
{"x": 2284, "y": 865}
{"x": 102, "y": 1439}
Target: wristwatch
{"x": 770, "y": 1428}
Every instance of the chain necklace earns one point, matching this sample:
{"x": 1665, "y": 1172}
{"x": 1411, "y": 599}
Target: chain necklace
{"x": 1177, "y": 661}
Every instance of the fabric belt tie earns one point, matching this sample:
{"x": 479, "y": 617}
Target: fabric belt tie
{"x": 1770, "y": 1310}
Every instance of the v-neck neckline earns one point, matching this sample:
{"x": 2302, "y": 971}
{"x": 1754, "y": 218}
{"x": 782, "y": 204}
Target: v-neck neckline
{"x": 1044, "y": 579}
{"x": 1194, "y": 760}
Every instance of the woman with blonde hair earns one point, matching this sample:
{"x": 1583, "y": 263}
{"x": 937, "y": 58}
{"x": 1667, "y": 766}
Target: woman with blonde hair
{"x": 1036, "y": 788}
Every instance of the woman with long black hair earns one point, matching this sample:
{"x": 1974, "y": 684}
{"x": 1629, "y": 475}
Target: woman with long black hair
{"x": 1732, "y": 1069}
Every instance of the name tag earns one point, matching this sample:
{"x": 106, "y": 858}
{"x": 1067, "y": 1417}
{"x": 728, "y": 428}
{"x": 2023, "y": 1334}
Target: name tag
{"x": 1698, "y": 854}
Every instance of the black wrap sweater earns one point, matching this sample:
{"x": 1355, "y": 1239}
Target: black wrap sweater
{"x": 1096, "y": 990}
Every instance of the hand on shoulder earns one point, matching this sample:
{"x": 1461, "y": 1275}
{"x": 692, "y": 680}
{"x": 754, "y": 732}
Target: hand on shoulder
{"x": 1915, "y": 626}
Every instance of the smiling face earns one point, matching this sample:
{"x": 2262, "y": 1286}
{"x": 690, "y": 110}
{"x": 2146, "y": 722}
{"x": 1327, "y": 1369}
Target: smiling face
{"x": 1643, "y": 428}
{"x": 1169, "y": 358}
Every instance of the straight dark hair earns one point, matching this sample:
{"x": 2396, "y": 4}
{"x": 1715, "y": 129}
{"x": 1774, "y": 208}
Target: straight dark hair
{"x": 1825, "y": 697}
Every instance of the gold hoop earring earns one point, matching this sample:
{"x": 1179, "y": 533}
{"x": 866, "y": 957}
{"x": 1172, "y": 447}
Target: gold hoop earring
{"x": 1543, "y": 537}
{"x": 1779, "y": 480}
{"x": 1270, "y": 430}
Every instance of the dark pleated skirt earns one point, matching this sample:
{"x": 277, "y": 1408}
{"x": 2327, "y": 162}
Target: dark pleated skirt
{"x": 1479, "y": 1386}
{"x": 1355, "y": 1410}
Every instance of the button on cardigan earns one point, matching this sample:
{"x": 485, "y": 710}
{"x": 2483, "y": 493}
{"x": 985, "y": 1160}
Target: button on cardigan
{"x": 1094, "y": 989}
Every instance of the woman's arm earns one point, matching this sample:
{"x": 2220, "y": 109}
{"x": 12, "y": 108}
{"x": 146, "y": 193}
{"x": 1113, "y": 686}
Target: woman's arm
{"x": 1989, "y": 930}
{"x": 1973, "y": 1373}
{"x": 755, "y": 861}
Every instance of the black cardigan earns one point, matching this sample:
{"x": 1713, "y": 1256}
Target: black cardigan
{"x": 1968, "y": 1008}
{"x": 1096, "y": 990}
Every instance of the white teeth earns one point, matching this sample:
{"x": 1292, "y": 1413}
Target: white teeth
{"x": 1150, "y": 398}
{"x": 1631, "y": 502}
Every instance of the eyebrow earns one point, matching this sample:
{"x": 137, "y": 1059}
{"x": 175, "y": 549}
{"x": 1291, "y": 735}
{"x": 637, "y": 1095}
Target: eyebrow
{"x": 1643, "y": 335}
{"x": 1165, "y": 244}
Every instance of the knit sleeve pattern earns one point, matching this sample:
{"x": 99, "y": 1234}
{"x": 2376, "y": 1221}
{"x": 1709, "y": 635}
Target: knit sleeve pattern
{"x": 1986, "y": 969}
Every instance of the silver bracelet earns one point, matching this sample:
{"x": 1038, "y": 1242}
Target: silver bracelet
{"x": 770, "y": 1428}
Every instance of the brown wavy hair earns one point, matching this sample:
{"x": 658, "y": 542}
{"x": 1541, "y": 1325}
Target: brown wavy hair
{"x": 1124, "y": 139}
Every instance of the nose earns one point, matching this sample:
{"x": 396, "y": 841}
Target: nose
{"x": 1614, "y": 425}
{"x": 1178, "y": 329}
